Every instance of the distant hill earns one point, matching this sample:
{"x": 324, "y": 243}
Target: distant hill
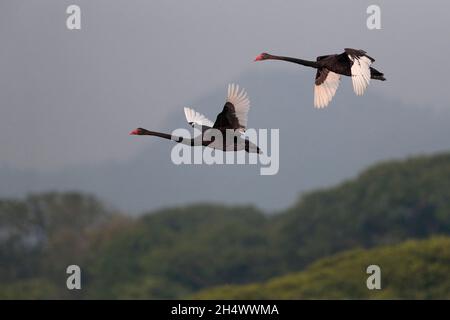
{"x": 318, "y": 148}
{"x": 410, "y": 270}
{"x": 174, "y": 252}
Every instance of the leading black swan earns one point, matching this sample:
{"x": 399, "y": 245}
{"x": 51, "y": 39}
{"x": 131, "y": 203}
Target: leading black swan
{"x": 352, "y": 62}
{"x": 230, "y": 123}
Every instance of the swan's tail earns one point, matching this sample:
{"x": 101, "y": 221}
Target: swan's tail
{"x": 377, "y": 75}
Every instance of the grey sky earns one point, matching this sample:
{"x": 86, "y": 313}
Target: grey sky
{"x": 70, "y": 97}
{"x": 317, "y": 149}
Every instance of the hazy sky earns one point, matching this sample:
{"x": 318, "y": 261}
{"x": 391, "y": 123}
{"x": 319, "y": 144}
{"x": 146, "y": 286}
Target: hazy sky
{"x": 71, "y": 97}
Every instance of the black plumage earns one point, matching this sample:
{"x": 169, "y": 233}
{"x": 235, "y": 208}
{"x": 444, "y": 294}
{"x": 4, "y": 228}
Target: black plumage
{"x": 352, "y": 62}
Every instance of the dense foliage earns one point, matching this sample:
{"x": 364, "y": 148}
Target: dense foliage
{"x": 176, "y": 252}
{"x": 410, "y": 270}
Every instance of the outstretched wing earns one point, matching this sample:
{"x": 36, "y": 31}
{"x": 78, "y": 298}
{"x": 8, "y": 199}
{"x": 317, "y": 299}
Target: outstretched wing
{"x": 325, "y": 87}
{"x": 195, "y": 118}
{"x": 360, "y": 69}
{"x": 235, "y": 110}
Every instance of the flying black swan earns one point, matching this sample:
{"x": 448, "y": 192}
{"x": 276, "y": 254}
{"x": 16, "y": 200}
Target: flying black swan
{"x": 353, "y": 63}
{"x": 230, "y": 124}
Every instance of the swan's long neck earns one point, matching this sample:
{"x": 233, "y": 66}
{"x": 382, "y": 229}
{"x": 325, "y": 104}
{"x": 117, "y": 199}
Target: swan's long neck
{"x": 306, "y": 63}
{"x": 186, "y": 141}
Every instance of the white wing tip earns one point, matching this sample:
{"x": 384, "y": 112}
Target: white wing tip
{"x": 238, "y": 97}
{"x": 236, "y": 93}
{"x": 188, "y": 113}
{"x": 194, "y": 117}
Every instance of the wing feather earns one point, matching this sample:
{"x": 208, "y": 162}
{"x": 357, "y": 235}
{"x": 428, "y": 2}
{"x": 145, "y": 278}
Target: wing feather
{"x": 196, "y": 118}
{"x": 360, "y": 69}
{"x": 240, "y": 102}
{"x": 235, "y": 110}
{"x": 327, "y": 82}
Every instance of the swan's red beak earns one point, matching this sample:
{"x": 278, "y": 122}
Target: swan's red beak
{"x": 134, "y": 132}
{"x": 259, "y": 57}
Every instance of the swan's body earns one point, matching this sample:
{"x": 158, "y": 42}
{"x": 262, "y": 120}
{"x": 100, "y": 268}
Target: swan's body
{"x": 230, "y": 125}
{"x": 352, "y": 63}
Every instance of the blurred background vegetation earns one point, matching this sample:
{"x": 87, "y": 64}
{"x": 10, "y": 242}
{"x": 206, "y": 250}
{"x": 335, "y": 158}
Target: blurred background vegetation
{"x": 395, "y": 214}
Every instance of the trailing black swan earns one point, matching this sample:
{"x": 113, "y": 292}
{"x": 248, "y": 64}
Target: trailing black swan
{"x": 353, "y": 63}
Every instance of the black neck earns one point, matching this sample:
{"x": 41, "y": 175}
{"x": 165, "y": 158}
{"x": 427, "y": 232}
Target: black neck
{"x": 306, "y": 63}
{"x": 154, "y": 133}
{"x": 186, "y": 141}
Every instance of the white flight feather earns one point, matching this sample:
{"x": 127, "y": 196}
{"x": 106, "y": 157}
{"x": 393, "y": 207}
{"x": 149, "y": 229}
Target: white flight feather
{"x": 325, "y": 92}
{"x": 241, "y": 103}
{"x": 196, "y": 118}
{"x": 360, "y": 73}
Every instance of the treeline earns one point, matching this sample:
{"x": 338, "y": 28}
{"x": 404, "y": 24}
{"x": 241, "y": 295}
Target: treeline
{"x": 174, "y": 253}
{"x": 415, "y": 269}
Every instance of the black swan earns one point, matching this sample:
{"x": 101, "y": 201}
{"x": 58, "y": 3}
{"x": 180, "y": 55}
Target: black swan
{"x": 230, "y": 124}
{"x": 353, "y": 63}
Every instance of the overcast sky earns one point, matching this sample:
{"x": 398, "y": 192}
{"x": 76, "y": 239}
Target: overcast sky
{"x": 71, "y": 97}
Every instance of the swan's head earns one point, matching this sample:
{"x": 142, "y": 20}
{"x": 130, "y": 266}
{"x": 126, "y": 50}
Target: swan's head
{"x": 137, "y": 132}
{"x": 262, "y": 56}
